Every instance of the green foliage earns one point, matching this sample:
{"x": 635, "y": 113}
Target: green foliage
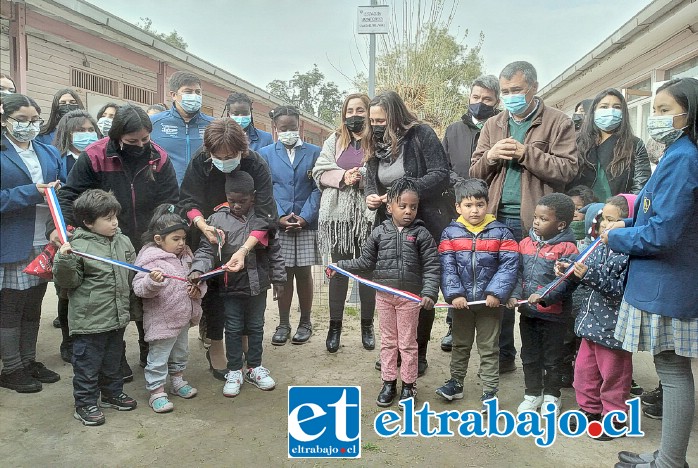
{"x": 172, "y": 38}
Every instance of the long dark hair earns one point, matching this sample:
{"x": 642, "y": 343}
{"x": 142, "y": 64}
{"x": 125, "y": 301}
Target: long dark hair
{"x": 105, "y": 107}
{"x": 164, "y": 216}
{"x": 53, "y": 118}
{"x": 685, "y": 93}
{"x": 590, "y": 135}
{"x": 13, "y": 102}
{"x": 69, "y": 124}
{"x": 343, "y": 134}
{"x": 399, "y": 119}
{"x": 128, "y": 119}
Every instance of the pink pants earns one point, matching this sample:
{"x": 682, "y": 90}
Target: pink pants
{"x": 398, "y": 326}
{"x": 602, "y": 377}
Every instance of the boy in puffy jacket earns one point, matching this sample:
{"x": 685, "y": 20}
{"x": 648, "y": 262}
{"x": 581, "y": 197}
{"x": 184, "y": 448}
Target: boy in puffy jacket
{"x": 479, "y": 262}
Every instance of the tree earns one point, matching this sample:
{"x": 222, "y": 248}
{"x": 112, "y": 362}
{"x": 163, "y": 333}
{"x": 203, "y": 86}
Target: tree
{"x": 310, "y": 93}
{"x": 173, "y": 38}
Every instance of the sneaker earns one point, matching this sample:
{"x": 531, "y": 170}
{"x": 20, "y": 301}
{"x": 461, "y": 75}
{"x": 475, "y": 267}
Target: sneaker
{"x": 655, "y": 411}
{"x": 589, "y": 417}
{"x": 233, "y": 382}
{"x": 259, "y": 377}
{"x": 636, "y": 389}
{"x": 121, "y": 402}
{"x": 547, "y": 399}
{"x": 451, "y": 390}
{"x": 160, "y": 403}
{"x": 41, "y": 373}
{"x": 653, "y": 397}
{"x": 20, "y": 381}
{"x": 89, "y": 415}
{"x": 487, "y": 395}
{"x": 530, "y": 403}
{"x": 606, "y": 437}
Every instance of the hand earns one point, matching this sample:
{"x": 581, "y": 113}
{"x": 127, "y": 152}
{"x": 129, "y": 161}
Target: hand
{"x": 157, "y": 276}
{"x": 427, "y": 303}
{"x": 194, "y": 277}
{"x": 374, "y": 201}
{"x": 506, "y": 150}
{"x": 210, "y": 232}
{"x": 580, "y": 270}
{"x": 65, "y": 248}
{"x": 56, "y": 184}
{"x": 301, "y": 222}
{"x": 614, "y": 225}
{"x": 512, "y": 302}
{"x": 193, "y": 291}
{"x": 352, "y": 176}
{"x": 277, "y": 290}
{"x": 290, "y": 223}
{"x": 561, "y": 267}
{"x": 534, "y": 298}
{"x": 329, "y": 272}
{"x": 460, "y": 303}
{"x": 53, "y": 237}
{"x": 492, "y": 301}
{"x": 236, "y": 262}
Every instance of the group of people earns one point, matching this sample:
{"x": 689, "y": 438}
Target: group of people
{"x": 491, "y": 216}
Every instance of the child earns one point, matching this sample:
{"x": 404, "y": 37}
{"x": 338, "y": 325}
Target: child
{"x": 291, "y": 162}
{"x": 170, "y": 306}
{"x": 402, "y": 254}
{"x": 98, "y": 310}
{"x": 603, "y": 371}
{"x": 543, "y": 320}
{"x": 479, "y": 260}
{"x": 244, "y": 292}
{"x": 582, "y": 196}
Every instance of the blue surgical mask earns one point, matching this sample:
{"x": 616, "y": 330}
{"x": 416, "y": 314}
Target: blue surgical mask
{"x": 191, "y": 103}
{"x": 608, "y": 119}
{"x": 661, "y": 128}
{"x": 243, "y": 120}
{"x": 515, "y": 103}
{"x": 226, "y": 166}
{"x": 82, "y": 139}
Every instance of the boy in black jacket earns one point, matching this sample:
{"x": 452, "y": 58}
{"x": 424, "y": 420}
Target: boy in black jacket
{"x": 402, "y": 254}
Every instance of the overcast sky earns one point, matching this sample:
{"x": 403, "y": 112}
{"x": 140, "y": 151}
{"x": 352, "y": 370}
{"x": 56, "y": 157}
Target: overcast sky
{"x": 262, "y": 40}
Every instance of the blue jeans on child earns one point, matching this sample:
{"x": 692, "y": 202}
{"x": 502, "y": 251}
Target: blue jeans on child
{"x": 166, "y": 356}
{"x": 97, "y": 366}
{"x": 244, "y": 316}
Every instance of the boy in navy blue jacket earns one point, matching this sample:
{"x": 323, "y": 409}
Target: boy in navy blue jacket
{"x": 479, "y": 261}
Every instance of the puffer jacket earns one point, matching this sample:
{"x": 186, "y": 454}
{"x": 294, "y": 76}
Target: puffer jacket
{"x": 167, "y": 308}
{"x": 99, "y": 292}
{"x": 406, "y": 260}
{"x": 264, "y": 268}
{"x": 606, "y": 278}
{"x": 477, "y": 265}
{"x": 536, "y": 270}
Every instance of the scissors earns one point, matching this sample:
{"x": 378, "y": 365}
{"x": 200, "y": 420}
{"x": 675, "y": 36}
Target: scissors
{"x": 219, "y": 238}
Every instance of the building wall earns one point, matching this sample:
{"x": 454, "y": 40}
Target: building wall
{"x": 5, "y": 46}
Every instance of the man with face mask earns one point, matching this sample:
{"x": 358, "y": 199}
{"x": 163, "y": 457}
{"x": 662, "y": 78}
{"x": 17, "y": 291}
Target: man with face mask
{"x": 525, "y": 152}
{"x": 180, "y": 130}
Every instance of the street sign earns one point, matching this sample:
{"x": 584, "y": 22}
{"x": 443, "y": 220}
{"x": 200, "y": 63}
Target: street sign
{"x": 373, "y": 19}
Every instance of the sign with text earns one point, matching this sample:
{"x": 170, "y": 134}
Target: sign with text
{"x": 373, "y": 19}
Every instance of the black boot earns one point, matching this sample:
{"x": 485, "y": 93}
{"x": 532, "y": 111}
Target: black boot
{"x": 408, "y": 391}
{"x": 422, "y": 363}
{"x": 387, "y": 394}
{"x": 333, "y": 335}
{"x": 447, "y": 341}
{"x": 368, "y": 338}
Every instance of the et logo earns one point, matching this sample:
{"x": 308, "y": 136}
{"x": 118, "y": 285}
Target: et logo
{"x": 324, "y": 422}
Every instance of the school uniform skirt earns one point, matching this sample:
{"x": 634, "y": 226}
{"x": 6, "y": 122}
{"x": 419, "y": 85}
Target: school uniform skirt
{"x": 299, "y": 248}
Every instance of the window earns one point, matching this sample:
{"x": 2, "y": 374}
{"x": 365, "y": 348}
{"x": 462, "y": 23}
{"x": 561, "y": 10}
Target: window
{"x": 639, "y": 91}
{"x": 92, "y": 82}
{"x": 136, "y": 94}
{"x": 687, "y": 69}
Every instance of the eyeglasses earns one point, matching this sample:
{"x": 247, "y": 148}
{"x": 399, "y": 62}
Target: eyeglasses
{"x": 29, "y": 122}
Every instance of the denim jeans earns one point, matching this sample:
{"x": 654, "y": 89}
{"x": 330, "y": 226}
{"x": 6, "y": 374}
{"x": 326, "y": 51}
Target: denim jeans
{"x": 507, "y": 350}
{"x": 166, "y": 356}
{"x": 97, "y": 366}
{"x": 244, "y": 315}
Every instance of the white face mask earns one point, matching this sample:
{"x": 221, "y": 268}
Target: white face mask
{"x": 289, "y": 138}
{"x": 104, "y": 125}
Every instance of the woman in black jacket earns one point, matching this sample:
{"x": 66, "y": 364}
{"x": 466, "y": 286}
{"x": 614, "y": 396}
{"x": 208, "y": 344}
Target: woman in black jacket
{"x": 612, "y": 159}
{"x": 398, "y": 145}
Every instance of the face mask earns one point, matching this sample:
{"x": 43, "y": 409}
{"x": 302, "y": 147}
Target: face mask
{"x": 481, "y": 111}
{"x": 23, "y": 131}
{"x": 515, "y": 103}
{"x": 289, "y": 138}
{"x": 661, "y": 128}
{"x": 378, "y": 132}
{"x": 243, "y": 120}
{"x": 104, "y": 125}
{"x": 608, "y": 119}
{"x": 191, "y": 103}
{"x": 355, "y": 123}
{"x": 577, "y": 119}
{"x": 65, "y": 108}
{"x": 82, "y": 139}
{"x": 227, "y": 165}
{"x": 135, "y": 151}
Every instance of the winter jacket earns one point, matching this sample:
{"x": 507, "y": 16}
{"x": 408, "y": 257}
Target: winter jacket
{"x": 294, "y": 187}
{"x": 663, "y": 238}
{"x": 474, "y": 266}
{"x": 203, "y": 189}
{"x": 139, "y": 186}
{"x": 19, "y": 197}
{"x": 406, "y": 260}
{"x": 536, "y": 271}
{"x": 258, "y": 139}
{"x": 425, "y": 160}
{"x": 460, "y": 142}
{"x": 549, "y": 162}
{"x": 180, "y": 139}
{"x": 167, "y": 308}
{"x": 99, "y": 292}
{"x": 263, "y": 267}
{"x": 630, "y": 180}
{"x": 597, "y": 319}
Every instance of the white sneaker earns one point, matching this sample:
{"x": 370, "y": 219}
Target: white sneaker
{"x": 233, "y": 382}
{"x": 259, "y": 376}
{"x": 555, "y": 401}
{"x": 530, "y": 403}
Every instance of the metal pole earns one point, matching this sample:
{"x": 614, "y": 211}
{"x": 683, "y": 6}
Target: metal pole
{"x": 372, "y": 61}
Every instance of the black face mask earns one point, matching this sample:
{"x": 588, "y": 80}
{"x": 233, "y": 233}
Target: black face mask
{"x": 481, "y": 111}
{"x": 577, "y": 119}
{"x": 378, "y": 132}
{"x": 355, "y": 123}
{"x": 135, "y": 151}
{"x": 65, "y": 108}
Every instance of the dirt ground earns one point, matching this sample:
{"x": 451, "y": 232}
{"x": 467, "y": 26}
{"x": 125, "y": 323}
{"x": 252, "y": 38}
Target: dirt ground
{"x": 39, "y": 430}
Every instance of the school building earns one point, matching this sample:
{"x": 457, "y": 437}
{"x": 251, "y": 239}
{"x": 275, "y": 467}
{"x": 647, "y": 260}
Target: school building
{"x": 46, "y": 45}
{"x": 656, "y": 45}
